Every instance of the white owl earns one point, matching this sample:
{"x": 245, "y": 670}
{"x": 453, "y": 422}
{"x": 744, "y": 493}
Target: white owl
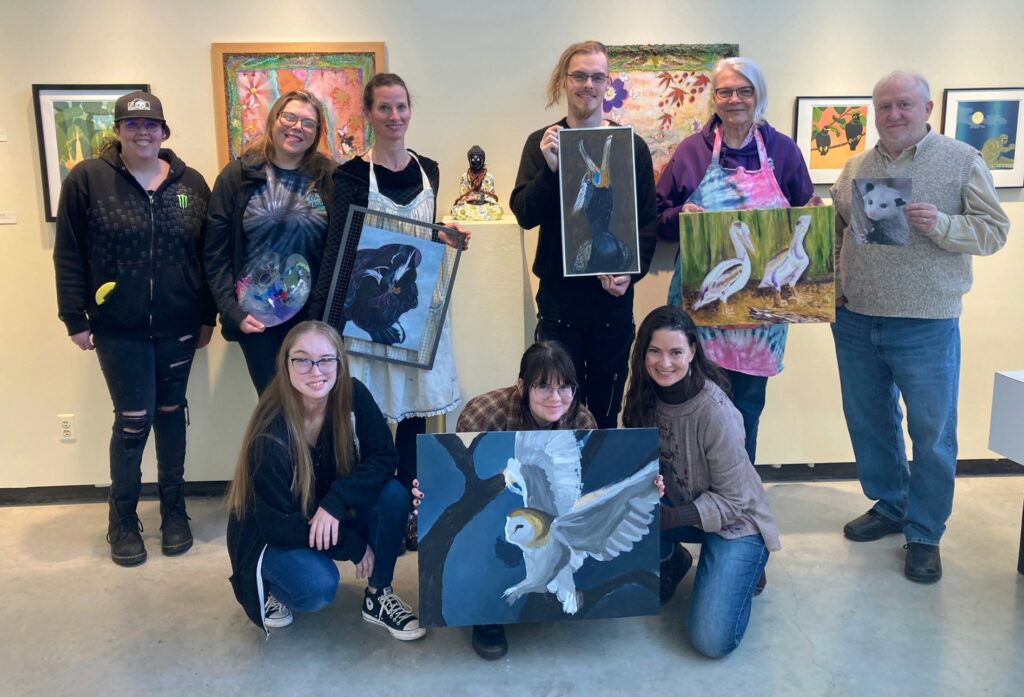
{"x": 557, "y": 529}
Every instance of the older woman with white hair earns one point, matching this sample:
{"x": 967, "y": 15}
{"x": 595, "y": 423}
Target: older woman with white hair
{"x": 736, "y": 161}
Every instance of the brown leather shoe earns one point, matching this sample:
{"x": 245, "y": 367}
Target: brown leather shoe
{"x": 871, "y": 526}
{"x": 923, "y": 564}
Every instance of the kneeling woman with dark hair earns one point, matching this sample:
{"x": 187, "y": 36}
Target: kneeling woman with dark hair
{"x": 713, "y": 495}
{"x": 314, "y": 485}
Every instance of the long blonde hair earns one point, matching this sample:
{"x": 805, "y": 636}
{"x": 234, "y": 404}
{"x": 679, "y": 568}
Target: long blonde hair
{"x": 556, "y": 83}
{"x": 281, "y": 400}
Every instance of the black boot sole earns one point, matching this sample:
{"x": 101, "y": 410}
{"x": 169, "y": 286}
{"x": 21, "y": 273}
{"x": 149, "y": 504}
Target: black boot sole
{"x": 175, "y": 550}
{"x": 133, "y": 560}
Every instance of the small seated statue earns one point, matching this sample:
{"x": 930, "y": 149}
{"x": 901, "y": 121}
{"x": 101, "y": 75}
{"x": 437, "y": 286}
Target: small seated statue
{"x": 477, "y": 199}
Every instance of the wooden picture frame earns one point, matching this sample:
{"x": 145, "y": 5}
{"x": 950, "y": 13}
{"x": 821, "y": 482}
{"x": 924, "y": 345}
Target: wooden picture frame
{"x": 72, "y": 123}
{"x": 824, "y": 127}
{"x": 249, "y": 77}
{"x": 990, "y": 119}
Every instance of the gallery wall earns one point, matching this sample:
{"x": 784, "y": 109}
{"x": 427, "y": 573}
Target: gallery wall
{"x": 477, "y": 71}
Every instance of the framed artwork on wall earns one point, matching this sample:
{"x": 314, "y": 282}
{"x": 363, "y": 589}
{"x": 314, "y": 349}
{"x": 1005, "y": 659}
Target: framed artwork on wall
{"x": 390, "y": 287}
{"x": 662, "y": 91}
{"x": 248, "y": 78}
{"x": 991, "y": 120}
{"x": 72, "y": 123}
{"x": 831, "y": 130}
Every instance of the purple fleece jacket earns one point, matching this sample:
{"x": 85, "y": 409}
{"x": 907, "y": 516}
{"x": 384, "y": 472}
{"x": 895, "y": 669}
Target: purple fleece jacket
{"x": 690, "y": 162}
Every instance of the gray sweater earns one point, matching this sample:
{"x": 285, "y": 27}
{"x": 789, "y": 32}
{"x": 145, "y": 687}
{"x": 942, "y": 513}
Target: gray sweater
{"x": 927, "y": 278}
{"x": 703, "y": 461}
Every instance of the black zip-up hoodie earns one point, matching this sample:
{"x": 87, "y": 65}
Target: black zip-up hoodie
{"x": 150, "y": 245}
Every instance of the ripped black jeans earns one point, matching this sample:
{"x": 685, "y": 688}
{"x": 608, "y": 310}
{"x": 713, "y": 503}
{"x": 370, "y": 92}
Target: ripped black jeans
{"x": 147, "y": 379}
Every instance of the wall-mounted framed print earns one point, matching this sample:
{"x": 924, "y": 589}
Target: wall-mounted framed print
{"x": 390, "y": 287}
{"x": 831, "y": 130}
{"x": 248, "y": 78}
{"x": 992, "y": 120}
{"x": 72, "y": 123}
{"x": 663, "y": 91}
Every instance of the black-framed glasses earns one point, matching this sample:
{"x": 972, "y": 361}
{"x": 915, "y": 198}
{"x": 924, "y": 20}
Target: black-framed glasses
{"x": 580, "y": 78}
{"x": 290, "y": 119}
{"x": 724, "y": 93}
{"x": 547, "y": 391}
{"x": 133, "y": 125}
{"x": 304, "y": 366}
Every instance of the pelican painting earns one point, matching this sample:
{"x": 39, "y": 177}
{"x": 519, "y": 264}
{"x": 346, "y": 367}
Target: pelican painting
{"x": 786, "y": 267}
{"x": 598, "y": 223}
{"x": 730, "y": 276}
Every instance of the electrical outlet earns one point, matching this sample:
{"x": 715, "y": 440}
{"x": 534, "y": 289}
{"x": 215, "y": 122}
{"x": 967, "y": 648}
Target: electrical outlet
{"x": 66, "y": 423}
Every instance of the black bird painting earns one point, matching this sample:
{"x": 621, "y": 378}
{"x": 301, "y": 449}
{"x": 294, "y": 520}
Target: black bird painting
{"x": 382, "y": 289}
{"x": 603, "y": 252}
{"x": 854, "y": 131}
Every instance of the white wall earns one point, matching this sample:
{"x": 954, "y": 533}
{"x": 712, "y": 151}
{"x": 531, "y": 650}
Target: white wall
{"x": 477, "y": 72}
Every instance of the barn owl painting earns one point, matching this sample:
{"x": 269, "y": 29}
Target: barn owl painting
{"x": 557, "y": 528}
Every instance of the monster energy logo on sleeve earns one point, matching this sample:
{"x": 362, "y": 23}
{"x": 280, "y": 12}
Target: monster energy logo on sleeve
{"x": 183, "y": 200}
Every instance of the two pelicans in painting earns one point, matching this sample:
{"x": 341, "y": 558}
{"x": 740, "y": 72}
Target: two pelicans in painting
{"x": 730, "y": 276}
{"x": 557, "y": 529}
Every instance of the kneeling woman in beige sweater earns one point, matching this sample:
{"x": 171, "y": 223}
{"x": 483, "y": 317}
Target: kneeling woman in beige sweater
{"x": 713, "y": 495}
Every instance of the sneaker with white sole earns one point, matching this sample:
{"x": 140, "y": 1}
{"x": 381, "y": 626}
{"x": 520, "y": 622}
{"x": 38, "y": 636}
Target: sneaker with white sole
{"x": 275, "y": 614}
{"x": 386, "y": 609}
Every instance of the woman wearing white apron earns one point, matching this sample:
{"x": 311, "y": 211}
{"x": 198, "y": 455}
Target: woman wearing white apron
{"x": 391, "y": 179}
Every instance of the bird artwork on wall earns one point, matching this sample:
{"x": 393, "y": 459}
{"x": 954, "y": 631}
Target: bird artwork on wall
{"x": 722, "y": 254}
{"x": 538, "y": 526}
{"x": 599, "y": 213}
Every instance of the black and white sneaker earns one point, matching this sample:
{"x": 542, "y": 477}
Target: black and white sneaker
{"x": 389, "y": 611}
{"x": 275, "y": 614}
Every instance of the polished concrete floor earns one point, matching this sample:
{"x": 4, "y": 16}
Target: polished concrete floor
{"x": 837, "y": 618}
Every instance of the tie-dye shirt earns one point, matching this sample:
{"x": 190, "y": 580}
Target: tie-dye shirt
{"x": 285, "y": 216}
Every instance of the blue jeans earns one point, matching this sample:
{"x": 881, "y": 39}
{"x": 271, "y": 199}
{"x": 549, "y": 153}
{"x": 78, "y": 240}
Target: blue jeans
{"x": 881, "y": 358}
{"x": 747, "y": 395}
{"x": 723, "y": 589}
{"x": 306, "y": 579}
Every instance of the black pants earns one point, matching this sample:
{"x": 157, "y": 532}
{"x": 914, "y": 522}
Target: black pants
{"x": 747, "y": 394}
{"x": 260, "y": 351}
{"x": 405, "y": 443}
{"x": 144, "y": 376}
{"x": 600, "y": 353}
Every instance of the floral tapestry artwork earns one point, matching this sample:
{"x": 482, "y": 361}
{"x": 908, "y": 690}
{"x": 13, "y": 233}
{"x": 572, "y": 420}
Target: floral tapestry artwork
{"x": 662, "y": 91}
{"x": 249, "y": 78}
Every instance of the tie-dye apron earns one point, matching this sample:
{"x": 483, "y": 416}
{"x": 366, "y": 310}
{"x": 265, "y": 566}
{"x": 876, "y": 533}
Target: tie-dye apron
{"x": 752, "y": 349}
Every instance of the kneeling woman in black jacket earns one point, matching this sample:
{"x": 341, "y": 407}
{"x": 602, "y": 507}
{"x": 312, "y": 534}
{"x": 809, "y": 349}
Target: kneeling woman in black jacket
{"x": 314, "y": 485}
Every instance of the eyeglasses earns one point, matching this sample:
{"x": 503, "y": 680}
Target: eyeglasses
{"x": 724, "y": 93}
{"x": 547, "y": 391}
{"x": 138, "y": 124}
{"x": 290, "y": 119}
{"x": 581, "y": 78}
{"x": 304, "y": 366}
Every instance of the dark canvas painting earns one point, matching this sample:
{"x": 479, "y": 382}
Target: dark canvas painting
{"x": 537, "y": 526}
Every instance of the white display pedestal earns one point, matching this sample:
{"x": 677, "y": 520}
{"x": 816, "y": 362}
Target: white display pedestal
{"x": 1006, "y": 432}
{"x": 491, "y": 310}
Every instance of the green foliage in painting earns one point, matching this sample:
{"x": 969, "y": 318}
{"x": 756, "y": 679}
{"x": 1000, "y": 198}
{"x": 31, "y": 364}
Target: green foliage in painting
{"x": 82, "y": 127}
{"x": 704, "y": 240}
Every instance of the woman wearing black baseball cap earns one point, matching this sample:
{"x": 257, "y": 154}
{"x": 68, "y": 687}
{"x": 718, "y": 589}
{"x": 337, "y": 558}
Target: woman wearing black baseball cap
{"x": 128, "y": 250}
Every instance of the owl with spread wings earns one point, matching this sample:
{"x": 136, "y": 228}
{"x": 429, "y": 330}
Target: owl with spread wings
{"x": 557, "y": 529}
